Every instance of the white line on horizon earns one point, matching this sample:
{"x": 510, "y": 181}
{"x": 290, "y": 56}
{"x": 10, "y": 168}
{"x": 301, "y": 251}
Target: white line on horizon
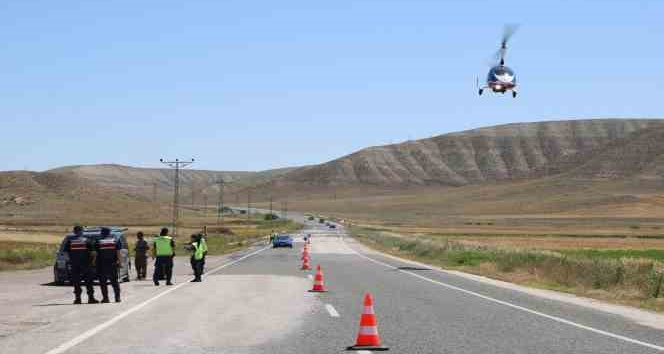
{"x": 514, "y": 306}
{"x": 91, "y": 332}
{"x": 330, "y": 309}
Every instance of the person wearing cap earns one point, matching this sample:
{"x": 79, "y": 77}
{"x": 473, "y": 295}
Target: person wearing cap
{"x": 108, "y": 259}
{"x": 141, "y": 259}
{"x": 163, "y": 253}
{"x": 80, "y": 250}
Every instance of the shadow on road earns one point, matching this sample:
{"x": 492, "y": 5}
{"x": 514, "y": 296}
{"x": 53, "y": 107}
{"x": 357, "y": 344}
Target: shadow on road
{"x": 54, "y": 284}
{"x": 50, "y": 305}
{"x": 410, "y": 268}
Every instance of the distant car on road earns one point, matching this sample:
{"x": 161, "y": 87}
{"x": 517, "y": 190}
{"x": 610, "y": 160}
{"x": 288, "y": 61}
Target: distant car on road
{"x": 333, "y": 226}
{"x": 62, "y": 268}
{"x": 311, "y": 218}
{"x": 282, "y": 241}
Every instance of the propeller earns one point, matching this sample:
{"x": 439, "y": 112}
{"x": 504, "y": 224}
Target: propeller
{"x": 508, "y": 32}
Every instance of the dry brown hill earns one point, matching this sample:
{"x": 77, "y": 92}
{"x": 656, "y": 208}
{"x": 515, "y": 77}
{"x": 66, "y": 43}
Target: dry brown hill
{"x": 109, "y": 192}
{"x": 604, "y": 167}
{"x": 505, "y": 152}
{"x": 141, "y": 180}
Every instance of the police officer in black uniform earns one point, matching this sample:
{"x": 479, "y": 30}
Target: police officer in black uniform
{"x": 80, "y": 250}
{"x": 108, "y": 260}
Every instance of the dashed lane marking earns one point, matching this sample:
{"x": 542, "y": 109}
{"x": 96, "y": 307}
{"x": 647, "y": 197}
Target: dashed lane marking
{"x": 330, "y": 309}
{"x": 514, "y": 306}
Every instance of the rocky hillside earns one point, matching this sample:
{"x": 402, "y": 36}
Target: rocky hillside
{"x": 141, "y": 180}
{"x": 111, "y": 191}
{"x": 505, "y": 152}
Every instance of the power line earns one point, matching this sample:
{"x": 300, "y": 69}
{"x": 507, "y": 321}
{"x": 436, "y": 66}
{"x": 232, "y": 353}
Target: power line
{"x": 220, "y": 204}
{"x": 177, "y": 165}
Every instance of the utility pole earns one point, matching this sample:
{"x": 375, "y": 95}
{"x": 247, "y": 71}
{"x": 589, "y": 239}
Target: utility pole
{"x": 286, "y": 210}
{"x": 270, "y": 206}
{"x": 193, "y": 191}
{"x": 220, "y": 204}
{"x": 155, "y": 205}
{"x": 248, "y": 203}
{"x": 205, "y": 203}
{"x": 177, "y": 165}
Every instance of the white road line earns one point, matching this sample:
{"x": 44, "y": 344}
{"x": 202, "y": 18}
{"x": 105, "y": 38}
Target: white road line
{"x": 363, "y": 352}
{"x": 91, "y": 332}
{"x": 330, "y": 309}
{"x": 514, "y": 306}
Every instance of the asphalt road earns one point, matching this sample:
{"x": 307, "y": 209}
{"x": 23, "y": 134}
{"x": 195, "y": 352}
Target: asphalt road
{"x": 256, "y": 301}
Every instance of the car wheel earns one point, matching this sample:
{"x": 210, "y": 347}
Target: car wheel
{"x": 56, "y": 277}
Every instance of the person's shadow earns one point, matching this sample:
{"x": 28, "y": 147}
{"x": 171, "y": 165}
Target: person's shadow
{"x": 50, "y": 305}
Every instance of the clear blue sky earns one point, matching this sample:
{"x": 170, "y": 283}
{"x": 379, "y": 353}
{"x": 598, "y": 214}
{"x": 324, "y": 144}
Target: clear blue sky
{"x": 249, "y": 85}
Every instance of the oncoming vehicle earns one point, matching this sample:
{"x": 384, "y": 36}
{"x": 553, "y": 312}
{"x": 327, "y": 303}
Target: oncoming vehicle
{"x": 333, "y": 226}
{"x": 62, "y": 268}
{"x": 282, "y": 241}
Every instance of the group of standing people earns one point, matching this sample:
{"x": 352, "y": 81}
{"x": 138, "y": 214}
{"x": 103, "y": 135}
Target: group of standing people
{"x": 103, "y": 253}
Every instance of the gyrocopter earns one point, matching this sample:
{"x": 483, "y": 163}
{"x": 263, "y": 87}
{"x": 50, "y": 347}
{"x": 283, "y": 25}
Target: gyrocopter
{"x": 501, "y": 78}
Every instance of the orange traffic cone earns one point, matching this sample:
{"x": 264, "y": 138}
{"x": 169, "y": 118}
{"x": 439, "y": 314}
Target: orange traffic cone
{"x": 305, "y": 263}
{"x": 368, "y": 338}
{"x": 319, "y": 285}
{"x": 305, "y": 254}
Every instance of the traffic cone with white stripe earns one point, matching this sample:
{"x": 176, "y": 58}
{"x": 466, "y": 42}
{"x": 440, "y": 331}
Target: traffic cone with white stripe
{"x": 319, "y": 285}
{"x": 305, "y": 262}
{"x": 368, "y": 338}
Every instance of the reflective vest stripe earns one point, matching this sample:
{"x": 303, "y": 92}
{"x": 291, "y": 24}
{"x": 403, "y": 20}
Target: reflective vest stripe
{"x": 77, "y": 245}
{"x": 107, "y": 244}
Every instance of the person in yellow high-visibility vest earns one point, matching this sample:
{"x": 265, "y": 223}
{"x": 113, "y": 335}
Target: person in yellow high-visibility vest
{"x": 199, "y": 250}
{"x": 163, "y": 251}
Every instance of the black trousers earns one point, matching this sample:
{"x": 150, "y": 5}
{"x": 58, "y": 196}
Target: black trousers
{"x": 108, "y": 272}
{"x": 82, "y": 273}
{"x": 141, "y": 263}
{"x": 163, "y": 265}
{"x": 197, "y": 265}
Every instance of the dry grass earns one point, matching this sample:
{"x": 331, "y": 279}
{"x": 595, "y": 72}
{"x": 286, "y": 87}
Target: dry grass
{"x": 632, "y": 275}
{"x": 33, "y": 246}
{"x": 564, "y": 243}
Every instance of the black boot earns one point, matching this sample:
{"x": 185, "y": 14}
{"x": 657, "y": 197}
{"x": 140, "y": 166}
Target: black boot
{"x": 77, "y": 300}
{"x": 92, "y": 300}
{"x": 105, "y": 300}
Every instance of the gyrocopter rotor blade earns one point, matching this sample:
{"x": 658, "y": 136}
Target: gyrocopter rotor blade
{"x": 508, "y": 32}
